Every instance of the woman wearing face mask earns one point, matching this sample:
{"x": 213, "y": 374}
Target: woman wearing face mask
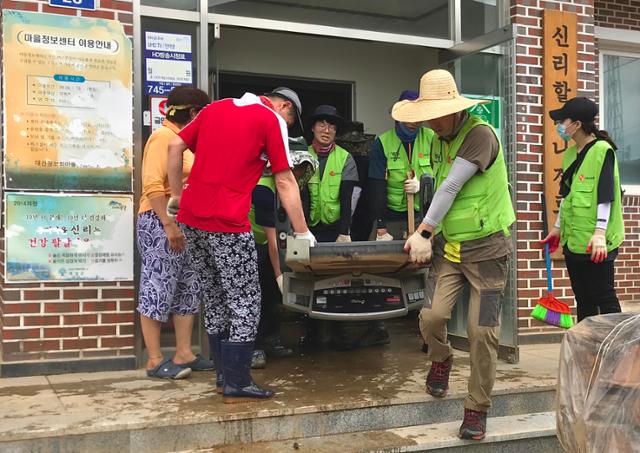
{"x": 589, "y": 226}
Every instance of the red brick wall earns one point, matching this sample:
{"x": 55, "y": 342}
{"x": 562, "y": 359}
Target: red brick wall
{"x": 628, "y": 262}
{"x": 527, "y": 16}
{"x": 623, "y": 14}
{"x": 105, "y": 9}
{"x": 43, "y": 321}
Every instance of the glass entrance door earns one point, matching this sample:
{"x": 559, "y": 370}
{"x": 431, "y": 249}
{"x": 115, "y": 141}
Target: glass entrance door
{"x": 233, "y": 42}
{"x": 170, "y": 57}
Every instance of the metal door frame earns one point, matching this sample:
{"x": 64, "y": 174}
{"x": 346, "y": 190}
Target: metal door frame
{"x": 452, "y": 49}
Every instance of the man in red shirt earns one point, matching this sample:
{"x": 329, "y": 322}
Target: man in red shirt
{"x": 232, "y": 139}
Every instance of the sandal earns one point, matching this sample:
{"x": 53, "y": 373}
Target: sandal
{"x": 198, "y": 364}
{"x": 273, "y": 347}
{"x": 258, "y": 359}
{"x": 169, "y": 370}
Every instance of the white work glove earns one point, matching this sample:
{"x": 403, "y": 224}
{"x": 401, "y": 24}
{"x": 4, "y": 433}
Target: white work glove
{"x": 598, "y": 246}
{"x": 412, "y": 186}
{"x": 308, "y": 235}
{"x": 343, "y": 238}
{"x": 280, "y": 281}
{"x": 384, "y": 237}
{"x": 172, "y": 207}
{"x": 419, "y": 248}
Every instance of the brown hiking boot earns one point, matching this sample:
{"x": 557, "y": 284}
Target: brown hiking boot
{"x": 438, "y": 378}
{"x": 474, "y": 425}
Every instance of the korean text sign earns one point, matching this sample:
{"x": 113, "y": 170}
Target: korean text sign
{"x": 68, "y": 103}
{"x": 168, "y": 61}
{"x": 63, "y": 238}
{"x": 560, "y": 83}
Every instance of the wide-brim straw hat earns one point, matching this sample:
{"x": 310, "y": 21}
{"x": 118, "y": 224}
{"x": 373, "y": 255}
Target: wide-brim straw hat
{"x": 438, "y": 97}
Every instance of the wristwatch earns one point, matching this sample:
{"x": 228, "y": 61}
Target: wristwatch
{"x": 425, "y": 234}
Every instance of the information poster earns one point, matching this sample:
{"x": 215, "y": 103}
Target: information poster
{"x": 63, "y": 238}
{"x": 168, "y": 62}
{"x": 67, "y": 102}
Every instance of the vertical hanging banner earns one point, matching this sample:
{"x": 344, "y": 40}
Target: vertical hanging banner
{"x": 67, "y": 102}
{"x": 62, "y": 238}
{"x": 560, "y": 83}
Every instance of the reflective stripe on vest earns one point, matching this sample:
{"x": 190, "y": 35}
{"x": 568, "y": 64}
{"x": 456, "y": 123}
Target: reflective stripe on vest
{"x": 579, "y": 210}
{"x": 325, "y": 193}
{"x": 398, "y": 165}
{"x": 258, "y": 231}
{"x": 483, "y": 205}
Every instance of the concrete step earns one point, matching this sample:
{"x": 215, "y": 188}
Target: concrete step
{"x": 533, "y": 432}
{"x": 264, "y": 425}
{"x": 319, "y": 393}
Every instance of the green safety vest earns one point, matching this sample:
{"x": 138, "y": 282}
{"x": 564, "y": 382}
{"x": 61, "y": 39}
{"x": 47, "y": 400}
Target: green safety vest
{"x": 483, "y": 205}
{"x": 579, "y": 210}
{"x": 398, "y": 165}
{"x": 258, "y": 231}
{"x": 325, "y": 193}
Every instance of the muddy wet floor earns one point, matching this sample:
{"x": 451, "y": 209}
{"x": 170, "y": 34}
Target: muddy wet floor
{"x": 309, "y": 382}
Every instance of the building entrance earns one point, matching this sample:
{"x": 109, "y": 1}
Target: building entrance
{"x": 359, "y": 72}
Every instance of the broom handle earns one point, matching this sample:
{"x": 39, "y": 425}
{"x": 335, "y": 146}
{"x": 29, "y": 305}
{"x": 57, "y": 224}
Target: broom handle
{"x": 411, "y": 220}
{"x": 547, "y": 258}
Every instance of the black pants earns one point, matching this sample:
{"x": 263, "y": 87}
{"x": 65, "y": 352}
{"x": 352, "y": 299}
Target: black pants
{"x": 326, "y": 233}
{"x": 271, "y": 296}
{"x": 593, "y": 287}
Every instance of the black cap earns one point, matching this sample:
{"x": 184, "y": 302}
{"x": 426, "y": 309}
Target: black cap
{"x": 326, "y": 112}
{"x": 578, "y": 109}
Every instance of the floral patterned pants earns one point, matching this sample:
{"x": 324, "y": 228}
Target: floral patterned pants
{"x": 168, "y": 282}
{"x": 228, "y": 271}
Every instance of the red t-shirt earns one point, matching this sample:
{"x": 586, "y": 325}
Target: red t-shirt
{"x": 232, "y": 139}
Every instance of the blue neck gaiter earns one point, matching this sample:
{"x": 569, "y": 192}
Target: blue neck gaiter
{"x": 404, "y": 134}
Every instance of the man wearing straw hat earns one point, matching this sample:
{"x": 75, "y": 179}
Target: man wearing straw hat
{"x": 467, "y": 227}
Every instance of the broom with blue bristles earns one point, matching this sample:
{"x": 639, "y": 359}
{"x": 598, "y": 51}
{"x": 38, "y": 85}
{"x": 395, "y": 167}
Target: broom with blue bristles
{"x": 549, "y": 309}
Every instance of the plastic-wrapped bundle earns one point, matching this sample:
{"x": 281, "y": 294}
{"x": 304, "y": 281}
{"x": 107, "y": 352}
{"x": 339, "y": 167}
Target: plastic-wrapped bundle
{"x": 598, "y": 406}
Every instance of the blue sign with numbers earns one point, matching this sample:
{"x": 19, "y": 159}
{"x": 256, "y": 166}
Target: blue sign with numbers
{"x": 76, "y": 4}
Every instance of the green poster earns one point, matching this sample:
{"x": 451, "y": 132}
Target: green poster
{"x": 488, "y": 112}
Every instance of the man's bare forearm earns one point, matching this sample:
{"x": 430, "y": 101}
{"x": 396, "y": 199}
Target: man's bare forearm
{"x": 272, "y": 245}
{"x": 289, "y": 194}
{"x": 174, "y": 165}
